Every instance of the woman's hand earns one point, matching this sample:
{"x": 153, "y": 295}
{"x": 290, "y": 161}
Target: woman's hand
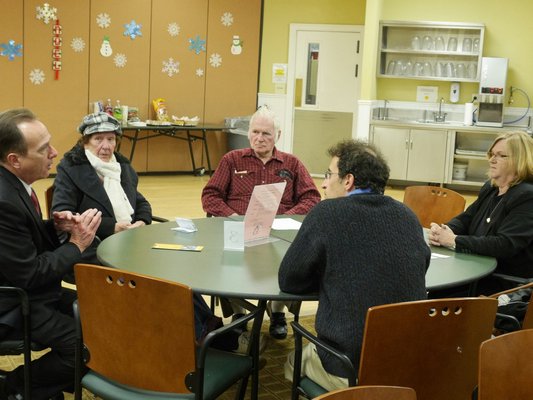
{"x": 441, "y": 235}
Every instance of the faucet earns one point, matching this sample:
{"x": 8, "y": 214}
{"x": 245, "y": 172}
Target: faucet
{"x": 440, "y": 116}
{"x": 383, "y": 116}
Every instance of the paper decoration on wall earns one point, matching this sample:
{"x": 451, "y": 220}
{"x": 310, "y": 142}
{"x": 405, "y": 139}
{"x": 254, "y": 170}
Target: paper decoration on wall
{"x": 11, "y": 50}
{"x": 171, "y": 67}
{"x": 173, "y": 29}
{"x": 120, "y": 60}
{"x": 133, "y": 29}
{"x": 56, "y": 50}
{"x": 46, "y": 13}
{"x": 226, "y": 19}
{"x": 105, "y": 48}
{"x": 197, "y": 45}
{"x": 77, "y": 44}
{"x": 236, "y": 45}
{"x": 215, "y": 60}
{"x": 103, "y": 20}
{"x": 199, "y": 72}
{"x": 36, "y": 76}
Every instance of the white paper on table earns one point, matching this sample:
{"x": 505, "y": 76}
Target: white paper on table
{"x": 185, "y": 225}
{"x": 262, "y": 210}
{"x": 437, "y": 255}
{"x": 286, "y": 224}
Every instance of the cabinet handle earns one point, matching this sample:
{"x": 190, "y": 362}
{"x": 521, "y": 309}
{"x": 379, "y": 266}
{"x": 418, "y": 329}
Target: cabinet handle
{"x": 411, "y": 144}
{"x": 407, "y": 144}
{"x": 356, "y": 69}
{"x": 357, "y": 47}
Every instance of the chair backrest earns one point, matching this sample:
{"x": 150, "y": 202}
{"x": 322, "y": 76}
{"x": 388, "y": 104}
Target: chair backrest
{"x": 48, "y": 196}
{"x": 370, "y": 393}
{"x": 431, "y": 346}
{"x": 138, "y": 330}
{"x": 433, "y": 204}
{"x": 505, "y": 365}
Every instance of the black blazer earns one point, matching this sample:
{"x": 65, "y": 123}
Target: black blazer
{"x": 31, "y": 256}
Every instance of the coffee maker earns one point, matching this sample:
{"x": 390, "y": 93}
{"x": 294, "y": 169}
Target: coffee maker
{"x": 492, "y": 91}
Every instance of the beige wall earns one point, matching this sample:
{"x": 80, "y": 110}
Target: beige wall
{"x": 508, "y": 33}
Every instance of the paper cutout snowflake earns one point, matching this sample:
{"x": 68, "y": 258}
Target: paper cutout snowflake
{"x": 227, "y": 19}
{"x": 36, "y": 76}
{"x": 133, "y": 29}
{"x": 11, "y": 50}
{"x": 173, "y": 29}
{"x": 171, "y": 67}
{"x": 197, "y": 45}
{"x": 215, "y": 60}
{"x": 77, "y": 44}
{"x": 103, "y": 20}
{"x": 46, "y": 13}
{"x": 120, "y": 60}
{"x": 199, "y": 72}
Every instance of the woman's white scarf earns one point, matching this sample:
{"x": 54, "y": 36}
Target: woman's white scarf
{"x": 110, "y": 173}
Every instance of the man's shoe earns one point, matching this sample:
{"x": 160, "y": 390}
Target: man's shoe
{"x": 278, "y": 325}
{"x": 244, "y": 340}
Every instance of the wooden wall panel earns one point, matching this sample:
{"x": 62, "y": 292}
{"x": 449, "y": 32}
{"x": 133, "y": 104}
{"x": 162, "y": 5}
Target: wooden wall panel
{"x": 11, "y": 24}
{"x": 183, "y": 91}
{"x": 60, "y": 103}
{"x": 128, "y": 84}
{"x": 231, "y": 88}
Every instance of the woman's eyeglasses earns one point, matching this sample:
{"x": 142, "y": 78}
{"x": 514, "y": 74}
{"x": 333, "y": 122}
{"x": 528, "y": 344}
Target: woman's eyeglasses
{"x": 328, "y": 174}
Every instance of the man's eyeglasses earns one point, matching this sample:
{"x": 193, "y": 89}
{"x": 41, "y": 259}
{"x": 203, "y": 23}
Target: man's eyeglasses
{"x": 328, "y": 174}
{"x": 497, "y": 156}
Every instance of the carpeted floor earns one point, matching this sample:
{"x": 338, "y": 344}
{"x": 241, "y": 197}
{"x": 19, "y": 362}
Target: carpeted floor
{"x": 272, "y": 382}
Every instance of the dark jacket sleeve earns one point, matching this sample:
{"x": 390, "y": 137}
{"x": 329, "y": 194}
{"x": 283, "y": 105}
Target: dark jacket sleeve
{"x": 460, "y": 225}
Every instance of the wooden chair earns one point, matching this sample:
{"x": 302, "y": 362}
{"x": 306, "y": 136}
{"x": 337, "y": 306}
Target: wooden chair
{"x": 371, "y": 393}
{"x": 433, "y": 204}
{"x": 430, "y": 345}
{"x": 506, "y": 367}
{"x": 139, "y": 341}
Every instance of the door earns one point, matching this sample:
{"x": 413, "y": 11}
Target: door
{"x": 394, "y": 145}
{"x": 427, "y": 155}
{"x": 322, "y": 91}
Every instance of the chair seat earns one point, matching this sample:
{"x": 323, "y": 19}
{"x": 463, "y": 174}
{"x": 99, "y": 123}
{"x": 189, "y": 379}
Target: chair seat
{"x": 235, "y": 366}
{"x": 310, "y": 388}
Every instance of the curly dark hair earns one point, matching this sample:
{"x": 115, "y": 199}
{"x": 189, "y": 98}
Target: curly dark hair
{"x": 364, "y": 162}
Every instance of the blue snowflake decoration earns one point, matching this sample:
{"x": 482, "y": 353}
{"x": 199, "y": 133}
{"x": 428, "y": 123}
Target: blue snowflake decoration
{"x": 197, "y": 44}
{"x": 11, "y": 50}
{"x": 133, "y": 29}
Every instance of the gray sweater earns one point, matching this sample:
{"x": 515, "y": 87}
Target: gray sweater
{"x": 356, "y": 252}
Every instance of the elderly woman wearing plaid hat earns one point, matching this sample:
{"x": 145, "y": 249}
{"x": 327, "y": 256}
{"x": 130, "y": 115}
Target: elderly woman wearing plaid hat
{"x": 93, "y": 175}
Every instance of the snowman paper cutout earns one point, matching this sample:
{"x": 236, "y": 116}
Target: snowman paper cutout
{"x": 105, "y": 49}
{"x": 236, "y": 45}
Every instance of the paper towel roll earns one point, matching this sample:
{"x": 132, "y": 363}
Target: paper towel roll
{"x": 469, "y": 111}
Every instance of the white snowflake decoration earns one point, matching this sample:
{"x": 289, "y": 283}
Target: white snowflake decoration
{"x": 36, "y": 76}
{"x": 199, "y": 72}
{"x": 46, "y": 13}
{"x": 215, "y": 60}
{"x": 227, "y": 19}
{"x": 77, "y": 44}
{"x": 173, "y": 29}
{"x": 103, "y": 20}
{"x": 171, "y": 67}
{"x": 120, "y": 60}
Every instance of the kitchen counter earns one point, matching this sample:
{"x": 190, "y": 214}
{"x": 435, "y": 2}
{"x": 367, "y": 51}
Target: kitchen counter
{"x": 448, "y": 125}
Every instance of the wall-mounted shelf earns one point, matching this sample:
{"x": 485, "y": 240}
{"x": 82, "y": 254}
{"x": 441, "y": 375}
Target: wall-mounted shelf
{"x": 444, "y": 51}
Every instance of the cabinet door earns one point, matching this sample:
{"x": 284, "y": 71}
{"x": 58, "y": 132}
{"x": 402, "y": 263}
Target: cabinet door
{"x": 427, "y": 155}
{"x": 393, "y": 144}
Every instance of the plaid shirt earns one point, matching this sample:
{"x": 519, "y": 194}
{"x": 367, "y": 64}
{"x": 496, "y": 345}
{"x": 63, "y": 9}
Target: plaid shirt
{"x": 230, "y": 188}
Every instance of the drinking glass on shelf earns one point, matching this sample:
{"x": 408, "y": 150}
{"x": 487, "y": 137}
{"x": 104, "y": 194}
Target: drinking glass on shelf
{"x": 418, "y": 69}
{"x": 475, "y": 46}
{"x": 460, "y": 70}
{"x": 427, "y": 43}
{"x": 438, "y": 69}
{"x": 450, "y": 70}
{"x": 467, "y": 45}
{"x": 472, "y": 70}
{"x": 398, "y": 68}
{"x": 452, "y": 44}
{"x": 439, "y": 43}
{"x": 428, "y": 69}
{"x": 390, "y": 67}
{"x": 408, "y": 68}
{"x": 415, "y": 43}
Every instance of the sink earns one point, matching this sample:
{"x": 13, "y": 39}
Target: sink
{"x": 432, "y": 122}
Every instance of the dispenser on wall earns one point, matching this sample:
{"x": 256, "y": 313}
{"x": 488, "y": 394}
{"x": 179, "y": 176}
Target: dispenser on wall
{"x": 492, "y": 91}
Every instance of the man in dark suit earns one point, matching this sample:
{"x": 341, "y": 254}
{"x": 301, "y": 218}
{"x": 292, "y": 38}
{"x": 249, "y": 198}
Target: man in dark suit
{"x": 33, "y": 258}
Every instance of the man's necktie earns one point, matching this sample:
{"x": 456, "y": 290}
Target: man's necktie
{"x": 35, "y": 202}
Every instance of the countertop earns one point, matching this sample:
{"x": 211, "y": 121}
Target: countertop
{"x": 448, "y": 125}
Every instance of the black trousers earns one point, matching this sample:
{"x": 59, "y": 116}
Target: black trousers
{"x": 53, "y": 326}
